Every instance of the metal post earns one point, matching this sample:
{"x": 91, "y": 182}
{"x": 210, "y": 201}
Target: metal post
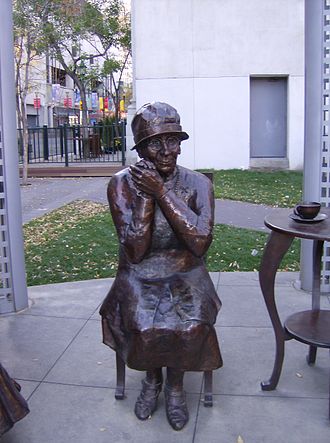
{"x": 62, "y": 140}
{"x": 45, "y": 142}
{"x": 13, "y": 291}
{"x": 67, "y": 106}
{"x": 123, "y": 141}
{"x": 79, "y": 142}
{"x": 74, "y": 138}
{"x": 66, "y": 154}
{"x": 313, "y": 123}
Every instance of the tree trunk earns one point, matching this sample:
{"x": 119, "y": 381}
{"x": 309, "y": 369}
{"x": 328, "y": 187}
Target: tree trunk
{"x": 86, "y": 147}
{"x": 25, "y": 145}
{"x": 84, "y": 105}
{"x": 23, "y": 135}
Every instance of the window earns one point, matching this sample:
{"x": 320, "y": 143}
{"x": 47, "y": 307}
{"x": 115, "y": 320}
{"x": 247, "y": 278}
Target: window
{"x": 58, "y": 76}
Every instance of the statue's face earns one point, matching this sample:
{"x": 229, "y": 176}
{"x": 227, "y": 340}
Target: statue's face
{"x": 163, "y": 151}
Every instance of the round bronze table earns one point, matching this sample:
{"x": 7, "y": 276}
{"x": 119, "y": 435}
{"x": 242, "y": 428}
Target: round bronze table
{"x": 313, "y": 326}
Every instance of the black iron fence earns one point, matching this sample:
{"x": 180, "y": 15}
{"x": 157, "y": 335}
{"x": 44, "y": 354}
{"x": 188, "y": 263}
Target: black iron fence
{"x": 74, "y": 144}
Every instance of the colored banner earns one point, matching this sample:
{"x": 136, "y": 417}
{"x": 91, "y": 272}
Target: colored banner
{"x": 36, "y": 103}
{"x": 68, "y": 102}
{"x": 94, "y": 100}
{"x": 101, "y": 104}
{"x": 77, "y": 97}
{"x": 56, "y": 89}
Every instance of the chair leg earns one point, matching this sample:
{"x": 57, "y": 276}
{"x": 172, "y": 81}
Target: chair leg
{"x": 208, "y": 398}
{"x": 311, "y": 357}
{"x": 120, "y": 387}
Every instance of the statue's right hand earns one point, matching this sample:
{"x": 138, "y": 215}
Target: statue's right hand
{"x": 144, "y": 163}
{"x": 135, "y": 173}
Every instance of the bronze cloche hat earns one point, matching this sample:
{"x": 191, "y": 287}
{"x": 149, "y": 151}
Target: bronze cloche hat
{"x": 156, "y": 119}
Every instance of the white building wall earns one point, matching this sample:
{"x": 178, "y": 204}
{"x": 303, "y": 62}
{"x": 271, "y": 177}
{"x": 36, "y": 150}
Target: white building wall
{"x": 199, "y": 56}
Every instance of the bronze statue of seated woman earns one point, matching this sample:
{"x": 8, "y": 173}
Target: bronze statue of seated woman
{"x": 161, "y": 309}
{"x": 13, "y": 407}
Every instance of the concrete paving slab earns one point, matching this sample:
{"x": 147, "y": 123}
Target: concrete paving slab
{"x": 96, "y": 316}
{"x": 215, "y": 277}
{"x": 30, "y": 345}
{"x": 245, "y": 306}
{"x": 252, "y": 278}
{"x": 287, "y": 278}
{"x": 239, "y": 278}
{"x": 249, "y": 355}
{"x": 52, "y": 300}
{"x": 263, "y": 420}
{"x": 99, "y": 368}
{"x": 75, "y": 414}
{"x": 28, "y": 387}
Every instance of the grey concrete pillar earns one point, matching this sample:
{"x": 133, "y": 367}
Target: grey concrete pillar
{"x": 313, "y": 121}
{"x": 16, "y": 298}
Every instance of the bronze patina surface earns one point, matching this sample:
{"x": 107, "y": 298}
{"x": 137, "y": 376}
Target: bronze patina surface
{"x": 13, "y": 407}
{"x": 312, "y": 326}
{"x": 162, "y": 306}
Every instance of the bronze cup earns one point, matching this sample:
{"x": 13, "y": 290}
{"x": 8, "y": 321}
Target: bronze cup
{"x": 307, "y": 210}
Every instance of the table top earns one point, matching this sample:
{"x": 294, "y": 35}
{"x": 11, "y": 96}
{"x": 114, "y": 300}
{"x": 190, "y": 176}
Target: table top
{"x": 281, "y": 222}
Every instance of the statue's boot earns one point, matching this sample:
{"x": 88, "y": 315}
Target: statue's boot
{"x": 146, "y": 403}
{"x": 176, "y": 407}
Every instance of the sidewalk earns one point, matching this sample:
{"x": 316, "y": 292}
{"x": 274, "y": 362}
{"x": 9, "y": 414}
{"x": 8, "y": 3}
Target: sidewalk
{"x": 46, "y": 194}
{"x": 54, "y": 349}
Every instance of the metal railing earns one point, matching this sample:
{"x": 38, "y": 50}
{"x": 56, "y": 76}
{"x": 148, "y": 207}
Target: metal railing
{"x": 75, "y": 144}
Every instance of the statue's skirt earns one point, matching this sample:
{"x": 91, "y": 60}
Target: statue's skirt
{"x": 165, "y": 321}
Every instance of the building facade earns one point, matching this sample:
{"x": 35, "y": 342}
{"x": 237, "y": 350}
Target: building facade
{"x": 54, "y": 99}
{"x": 234, "y": 69}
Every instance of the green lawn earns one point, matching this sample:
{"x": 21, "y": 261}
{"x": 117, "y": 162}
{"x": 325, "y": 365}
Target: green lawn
{"x": 275, "y": 188}
{"x": 79, "y": 242}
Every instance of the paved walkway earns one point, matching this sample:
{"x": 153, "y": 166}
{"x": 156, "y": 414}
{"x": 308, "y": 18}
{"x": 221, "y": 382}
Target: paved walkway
{"x": 43, "y": 195}
{"x": 54, "y": 349}
{"x": 46, "y": 194}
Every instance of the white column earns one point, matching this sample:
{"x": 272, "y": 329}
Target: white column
{"x": 11, "y": 227}
{"x": 313, "y": 121}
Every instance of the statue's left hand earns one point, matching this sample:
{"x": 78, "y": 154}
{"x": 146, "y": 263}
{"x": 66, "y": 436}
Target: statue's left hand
{"x": 147, "y": 180}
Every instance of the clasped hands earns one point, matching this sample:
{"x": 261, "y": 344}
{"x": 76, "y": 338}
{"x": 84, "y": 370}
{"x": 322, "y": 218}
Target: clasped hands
{"x": 147, "y": 179}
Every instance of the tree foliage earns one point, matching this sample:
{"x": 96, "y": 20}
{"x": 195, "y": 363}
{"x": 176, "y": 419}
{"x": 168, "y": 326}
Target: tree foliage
{"x": 28, "y": 49}
{"x": 76, "y": 31}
